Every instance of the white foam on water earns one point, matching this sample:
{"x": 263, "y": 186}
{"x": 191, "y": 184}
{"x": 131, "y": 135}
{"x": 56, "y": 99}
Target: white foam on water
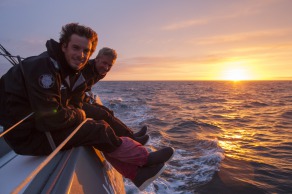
{"x": 131, "y": 112}
{"x": 190, "y": 168}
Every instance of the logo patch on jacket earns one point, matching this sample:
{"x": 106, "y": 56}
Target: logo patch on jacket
{"x": 46, "y": 81}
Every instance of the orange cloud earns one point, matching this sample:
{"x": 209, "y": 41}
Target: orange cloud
{"x": 241, "y": 37}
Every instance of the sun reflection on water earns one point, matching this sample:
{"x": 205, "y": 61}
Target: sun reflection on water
{"x": 235, "y": 143}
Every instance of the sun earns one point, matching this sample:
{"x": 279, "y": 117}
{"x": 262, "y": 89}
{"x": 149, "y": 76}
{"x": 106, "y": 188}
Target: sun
{"x": 235, "y": 71}
{"x": 236, "y": 74}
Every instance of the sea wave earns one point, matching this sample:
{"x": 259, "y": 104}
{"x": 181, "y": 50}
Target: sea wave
{"x": 229, "y": 137}
{"x": 287, "y": 114}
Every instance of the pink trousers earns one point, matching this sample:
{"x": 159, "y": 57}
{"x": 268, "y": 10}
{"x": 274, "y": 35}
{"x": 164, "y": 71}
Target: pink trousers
{"x": 128, "y": 157}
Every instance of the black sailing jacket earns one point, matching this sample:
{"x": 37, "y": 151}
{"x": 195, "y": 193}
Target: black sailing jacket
{"x": 41, "y": 84}
{"x": 91, "y": 76}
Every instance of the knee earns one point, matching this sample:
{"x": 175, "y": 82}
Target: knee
{"x": 110, "y": 133}
{"x": 103, "y": 122}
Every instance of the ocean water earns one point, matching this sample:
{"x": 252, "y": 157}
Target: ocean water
{"x": 230, "y": 137}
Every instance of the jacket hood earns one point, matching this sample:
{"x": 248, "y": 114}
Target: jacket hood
{"x": 55, "y": 51}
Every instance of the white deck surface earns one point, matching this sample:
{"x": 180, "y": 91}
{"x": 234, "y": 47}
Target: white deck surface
{"x": 14, "y": 169}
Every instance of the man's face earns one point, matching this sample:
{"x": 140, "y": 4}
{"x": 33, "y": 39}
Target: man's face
{"x": 103, "y": 64}
{"x": 77, "y": 52}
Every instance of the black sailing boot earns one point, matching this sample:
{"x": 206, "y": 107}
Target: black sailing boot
{"x": 143, "y": 139}
{"x": 161, "y": 156}
{"x": 142, "y": 132}
{"x": 146, "y": 175}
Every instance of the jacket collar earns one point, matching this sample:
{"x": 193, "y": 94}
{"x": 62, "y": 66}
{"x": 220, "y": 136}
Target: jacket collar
{"x": 55, "y": 51}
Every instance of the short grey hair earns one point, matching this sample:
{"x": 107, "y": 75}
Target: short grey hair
{"x": 107, "y": 52}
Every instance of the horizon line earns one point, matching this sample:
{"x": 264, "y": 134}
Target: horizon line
{"x": 210, "y": 80}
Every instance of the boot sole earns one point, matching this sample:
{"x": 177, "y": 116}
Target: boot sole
{"x": 142, "y": 134}
{"x": 150, "y": 180}
{"x": 170, "y": 158}
{"x": 148, "y": 140}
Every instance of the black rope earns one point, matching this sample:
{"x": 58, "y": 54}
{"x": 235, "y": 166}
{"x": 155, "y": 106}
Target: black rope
{"x": 10, "y": 55}
{"x": 12, "y": 59}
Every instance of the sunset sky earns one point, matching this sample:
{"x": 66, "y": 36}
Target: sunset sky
{"x": 164, "y": 39}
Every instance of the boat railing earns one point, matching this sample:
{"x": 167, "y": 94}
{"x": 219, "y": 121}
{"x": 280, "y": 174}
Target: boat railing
{"x": 15, "y": 125}
{"x": 47, "y": 160}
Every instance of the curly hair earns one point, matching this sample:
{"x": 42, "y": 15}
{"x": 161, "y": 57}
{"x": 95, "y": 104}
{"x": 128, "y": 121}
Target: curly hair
{"x": 74, "y": 28}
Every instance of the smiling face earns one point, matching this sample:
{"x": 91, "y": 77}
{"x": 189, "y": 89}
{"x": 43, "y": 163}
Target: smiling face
{"x": 103, "y": 64}
{"x": 77, "y": 51}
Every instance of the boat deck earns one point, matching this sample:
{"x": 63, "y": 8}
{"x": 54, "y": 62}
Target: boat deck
{"x": 79, "y": 170}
